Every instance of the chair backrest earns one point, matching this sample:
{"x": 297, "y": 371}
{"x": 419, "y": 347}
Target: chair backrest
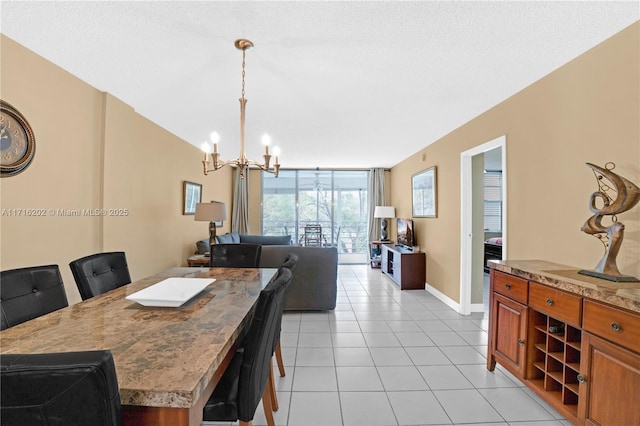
{"x": 313, "y": 235}
{"x": 71, "y": 388}
{"x": 27, "y": 293}
{"x": 235, "y": 255}
{"x": 336, "y": 242}
{"x": 290, "y": 264}
{"x": 100, "y": 273}
{"x": 256, "y": 361}
{"x": 290, "y": 261}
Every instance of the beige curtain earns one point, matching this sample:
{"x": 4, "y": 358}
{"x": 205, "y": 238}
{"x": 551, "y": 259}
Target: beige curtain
{"x": 240, "y": 214}
{"x": 377, "y": 197}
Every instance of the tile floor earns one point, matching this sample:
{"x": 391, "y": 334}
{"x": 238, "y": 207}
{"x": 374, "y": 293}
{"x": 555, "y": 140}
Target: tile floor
{"x": 391, "y": 357}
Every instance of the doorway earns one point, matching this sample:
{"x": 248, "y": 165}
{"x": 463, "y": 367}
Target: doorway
{"x": 472, "y": 207}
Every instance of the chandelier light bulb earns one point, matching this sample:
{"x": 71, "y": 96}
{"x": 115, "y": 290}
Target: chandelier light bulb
{"x": 205, "y": 147}
{"x": 215, "y": 137}
{"x": 266, "y": 140}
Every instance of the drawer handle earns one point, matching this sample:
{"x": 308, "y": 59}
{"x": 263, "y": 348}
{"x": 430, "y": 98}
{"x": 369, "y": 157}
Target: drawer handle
{"x": 581, "y": 379}
{"x": 550, "y": 302}
{"x": 521, "y": 342}
{"x": 616, "y": 327}
{"x": 508, "y": 286}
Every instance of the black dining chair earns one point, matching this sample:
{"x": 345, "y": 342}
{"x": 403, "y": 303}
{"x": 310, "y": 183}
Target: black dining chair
{"x": 244, "y": 383}
{"x": 27, "y": 293}
{"x": 237, "y": 255}
{"x": 290, "y": 264}
{"x": 100, "y": 273}
{"x": 70, "y": 388}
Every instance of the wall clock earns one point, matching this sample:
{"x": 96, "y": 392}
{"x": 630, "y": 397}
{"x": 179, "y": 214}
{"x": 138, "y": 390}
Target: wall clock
{"x": 17, "y": 142}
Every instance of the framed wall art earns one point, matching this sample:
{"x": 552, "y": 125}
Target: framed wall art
{"x": 424, "y": 193}
{"x": 191, "y": 195}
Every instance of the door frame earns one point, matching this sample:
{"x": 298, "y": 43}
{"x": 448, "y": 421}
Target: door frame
{"x": 466, "y": 218}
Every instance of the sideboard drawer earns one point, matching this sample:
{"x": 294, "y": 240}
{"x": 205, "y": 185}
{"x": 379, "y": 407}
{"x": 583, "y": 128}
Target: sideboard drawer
{"x": 513, "y": 287}
{"x": 556, "y": 303}
{"x": 613, "y": 324}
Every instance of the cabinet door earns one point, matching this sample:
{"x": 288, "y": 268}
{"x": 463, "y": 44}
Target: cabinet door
{"x": 508, "y": 334}
{"x": 609, "y": 393}
{"x": 384, "y": 259}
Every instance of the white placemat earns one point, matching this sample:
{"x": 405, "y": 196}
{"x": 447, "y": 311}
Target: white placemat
{"x": 172, "y": 292}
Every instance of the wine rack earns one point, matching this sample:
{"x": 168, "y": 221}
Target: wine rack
{"x": 555, "y": 356}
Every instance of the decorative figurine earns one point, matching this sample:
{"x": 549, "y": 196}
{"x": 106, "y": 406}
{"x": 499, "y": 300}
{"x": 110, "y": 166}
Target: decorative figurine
{"x": 611, "y": 236}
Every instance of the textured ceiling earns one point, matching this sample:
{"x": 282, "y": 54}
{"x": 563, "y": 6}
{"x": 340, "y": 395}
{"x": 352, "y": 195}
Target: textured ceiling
{"x": 335, "y": 84}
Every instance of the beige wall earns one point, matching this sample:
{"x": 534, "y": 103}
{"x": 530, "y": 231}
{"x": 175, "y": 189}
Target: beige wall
{"x": 95, "y": 152}
{"x": 586, "y": 111}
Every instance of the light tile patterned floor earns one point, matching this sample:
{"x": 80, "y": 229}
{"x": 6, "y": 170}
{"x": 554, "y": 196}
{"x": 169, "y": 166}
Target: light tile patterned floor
{"x": 386, "y": 357}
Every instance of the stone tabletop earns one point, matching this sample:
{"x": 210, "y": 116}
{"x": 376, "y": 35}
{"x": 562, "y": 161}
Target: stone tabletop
{"x": 164, "y": 357}
{"x": 623, "y": 295}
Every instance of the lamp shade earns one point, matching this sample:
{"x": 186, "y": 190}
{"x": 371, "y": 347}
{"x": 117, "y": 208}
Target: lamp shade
{"x": 379, "y": 212}
{"x": 214, "y": 211}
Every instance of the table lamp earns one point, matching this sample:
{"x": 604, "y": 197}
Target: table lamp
{"x": 212, "y": 212}
{"x": 383, "y": 212}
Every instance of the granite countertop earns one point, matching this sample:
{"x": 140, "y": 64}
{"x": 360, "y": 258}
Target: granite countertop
{"x": 623, "y": 295}
{"x": 164, "y": 357}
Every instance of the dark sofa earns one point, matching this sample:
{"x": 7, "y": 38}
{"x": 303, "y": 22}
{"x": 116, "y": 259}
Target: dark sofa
{"x": 315, "y": 277}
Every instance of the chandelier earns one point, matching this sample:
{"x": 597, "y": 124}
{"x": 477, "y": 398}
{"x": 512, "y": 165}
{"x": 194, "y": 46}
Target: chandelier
{"x": 212, "y": 160}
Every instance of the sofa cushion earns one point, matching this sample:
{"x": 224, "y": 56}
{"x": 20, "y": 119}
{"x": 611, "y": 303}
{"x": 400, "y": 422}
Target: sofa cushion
{"x": 228, "y": 238}
{"x": 266, "y": 240}
{"x": 202, "y": 246}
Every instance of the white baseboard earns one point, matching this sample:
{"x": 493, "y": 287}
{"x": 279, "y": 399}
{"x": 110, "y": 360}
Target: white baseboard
{"x": 475, "y": 307}
{"x": 443, "y": 297}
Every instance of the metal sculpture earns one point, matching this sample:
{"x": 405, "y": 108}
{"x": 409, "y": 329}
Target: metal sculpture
{"x": 627, "y": 196}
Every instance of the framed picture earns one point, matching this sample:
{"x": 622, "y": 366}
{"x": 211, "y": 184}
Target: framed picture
{"x": 191, "y": 195}
{"x": 424, "y": 193}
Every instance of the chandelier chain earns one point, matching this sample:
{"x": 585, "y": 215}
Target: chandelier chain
{"x": 243, "y": 71}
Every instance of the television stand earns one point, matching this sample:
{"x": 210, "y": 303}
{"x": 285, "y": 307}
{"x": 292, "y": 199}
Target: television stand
{"x": 404, "y": 267}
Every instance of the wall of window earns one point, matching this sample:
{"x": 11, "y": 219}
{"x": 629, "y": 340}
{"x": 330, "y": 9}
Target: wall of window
{"x": 334, "y": 199}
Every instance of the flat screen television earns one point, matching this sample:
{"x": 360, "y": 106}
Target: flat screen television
{"x": 405, "y": 233}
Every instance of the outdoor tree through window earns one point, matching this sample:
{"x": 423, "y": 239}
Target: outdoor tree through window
{"x": 334, "y": 199}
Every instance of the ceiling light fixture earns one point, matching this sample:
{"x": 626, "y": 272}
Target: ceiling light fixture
{"x": 212, "y": 160}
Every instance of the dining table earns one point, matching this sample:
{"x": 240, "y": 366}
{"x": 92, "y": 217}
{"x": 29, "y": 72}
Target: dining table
{"x": 168, "y": 359}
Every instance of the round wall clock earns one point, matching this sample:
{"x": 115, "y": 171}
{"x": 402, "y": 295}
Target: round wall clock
{"x": 17, "y": 142}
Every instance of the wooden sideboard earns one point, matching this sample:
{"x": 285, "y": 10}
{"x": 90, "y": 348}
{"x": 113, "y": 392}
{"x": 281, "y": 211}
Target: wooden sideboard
{"x": 406, "y": 267}
{"x": 574, "y": 340}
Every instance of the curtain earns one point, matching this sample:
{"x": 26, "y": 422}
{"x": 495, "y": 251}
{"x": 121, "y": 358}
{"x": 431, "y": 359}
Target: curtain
{"x": 240, "y": 215}
{"x": 377, "y": 197}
